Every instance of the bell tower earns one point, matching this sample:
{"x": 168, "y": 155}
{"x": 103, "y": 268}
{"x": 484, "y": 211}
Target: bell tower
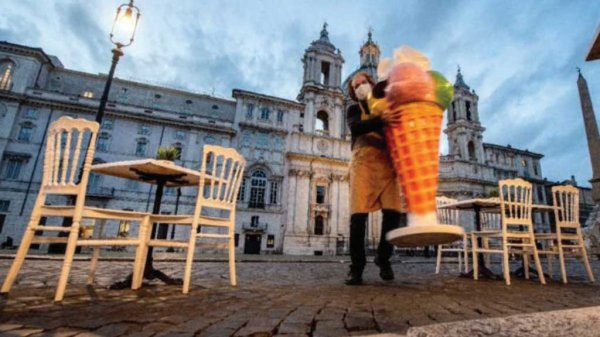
{"x": 464, "y": 131}
{"x": 321, "y": 88}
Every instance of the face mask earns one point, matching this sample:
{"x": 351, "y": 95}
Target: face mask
{"x": 363, "y": 91}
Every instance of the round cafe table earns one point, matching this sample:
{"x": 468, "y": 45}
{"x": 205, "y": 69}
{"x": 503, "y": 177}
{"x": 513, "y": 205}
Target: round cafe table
{"x": 161, "y": 173}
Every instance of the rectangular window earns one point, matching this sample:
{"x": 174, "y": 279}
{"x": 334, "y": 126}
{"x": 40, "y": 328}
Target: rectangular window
{"x": 270, "y": 241}
{"x": 254, "y": 220}
{"x": 4, "y": 205}
{"x": 144, "y": 130}
{"x": 237, "y": 239}
{"x": 102, "y": 144}
{"x": 13, "y": 169}
{"x": 273, "y": 193}
{"x": 107, "y": 124}
{"x": 279, "y": 116}
{"x": 320, "y": 194}
{"x": 31, "y": 113}
{"x": 242, "y": 191}
{"x": 2, "y": 218}
{"x": 140, "y": 148}
{"x": 264, "y": 114}
{"x": 25, "y": 133}
{"x": 249, "y": 111}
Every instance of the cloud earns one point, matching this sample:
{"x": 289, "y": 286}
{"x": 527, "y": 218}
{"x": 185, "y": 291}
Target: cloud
{"x": 519, "y": 56}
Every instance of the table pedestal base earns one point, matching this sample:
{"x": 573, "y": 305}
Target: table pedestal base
{"x": 415, "y": 236}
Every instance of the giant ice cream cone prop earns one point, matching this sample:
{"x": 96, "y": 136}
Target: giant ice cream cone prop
{"x": 413, "y": 94}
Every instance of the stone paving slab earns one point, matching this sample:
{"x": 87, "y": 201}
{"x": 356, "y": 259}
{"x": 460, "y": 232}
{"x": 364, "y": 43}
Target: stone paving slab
{"x": 272, "y": 299}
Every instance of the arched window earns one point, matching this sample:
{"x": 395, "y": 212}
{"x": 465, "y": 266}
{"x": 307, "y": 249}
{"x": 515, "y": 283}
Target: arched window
{"x": 471, "y": 148}
{"x": 258, "y": 185}
{"x": 322, "y": 122}
{"x": 453, "y": 112}
{"x": 468, "y": 110}
{"x": 319, "y": 225}
{"x": 6, "y": 71}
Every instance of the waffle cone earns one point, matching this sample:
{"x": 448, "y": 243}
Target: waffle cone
{"x": 414, "y": 148}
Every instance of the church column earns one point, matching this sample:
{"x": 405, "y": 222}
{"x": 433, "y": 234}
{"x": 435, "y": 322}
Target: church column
{"x": 462, "y": 143}
{"x": 302, "y": 202}
{"x": 291, "y": 200}
{"x": 334, "y": 201}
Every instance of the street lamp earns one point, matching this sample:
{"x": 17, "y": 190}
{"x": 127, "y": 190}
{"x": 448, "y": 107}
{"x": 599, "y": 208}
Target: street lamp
{"x": 121, "y": 35}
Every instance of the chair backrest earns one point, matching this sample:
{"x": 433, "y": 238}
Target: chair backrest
{"x": 222, "y": 170}
{"x": 446, "y": 216}
{"x": 515, "y": 202}
{"x": 566, "y": 201}
{"x": 62, "y": 164}
{"x": 490, "y": 221}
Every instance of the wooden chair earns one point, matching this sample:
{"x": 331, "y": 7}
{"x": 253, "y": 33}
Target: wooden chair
{"x": 64, "y": 174}
{"x": 516, "y": 234}
{"x": 451, "y": 217}
{"x": 490, "y": 222}
{"x": 221, "y": 172}
{"x": 568, "y": 238}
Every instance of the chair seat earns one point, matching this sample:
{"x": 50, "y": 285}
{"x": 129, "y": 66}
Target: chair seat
{"x": 188, "y": 219}
{"x": 93, "y": 212}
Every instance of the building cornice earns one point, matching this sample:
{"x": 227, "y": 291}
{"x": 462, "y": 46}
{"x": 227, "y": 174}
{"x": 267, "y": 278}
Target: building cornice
{"x": 239, "y": 93}
{"x": 310, "y": 157}
{"x": 513, "y": 150}
{"x": 262, "y": 128}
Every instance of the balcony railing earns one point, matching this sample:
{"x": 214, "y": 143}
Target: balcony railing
{"x": 255, "y": 227}
{"x": 321, "y": 207}
{"x": 100, "y": 192}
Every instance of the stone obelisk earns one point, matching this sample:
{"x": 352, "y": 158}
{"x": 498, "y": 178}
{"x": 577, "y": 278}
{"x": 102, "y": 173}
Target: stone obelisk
{"x": 593, "y": 138}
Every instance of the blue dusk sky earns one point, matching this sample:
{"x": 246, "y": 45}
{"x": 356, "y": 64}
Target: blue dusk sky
{"x": 520, "y": 56}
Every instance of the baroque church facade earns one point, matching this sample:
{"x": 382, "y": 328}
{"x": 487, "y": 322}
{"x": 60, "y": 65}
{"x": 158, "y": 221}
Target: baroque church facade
{"x": 295, "y": 193}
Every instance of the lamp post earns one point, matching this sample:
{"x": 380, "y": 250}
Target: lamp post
{"x": 121, "y": 35}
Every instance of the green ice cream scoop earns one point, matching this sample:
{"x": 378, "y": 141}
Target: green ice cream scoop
{"x": 444, "y": 91}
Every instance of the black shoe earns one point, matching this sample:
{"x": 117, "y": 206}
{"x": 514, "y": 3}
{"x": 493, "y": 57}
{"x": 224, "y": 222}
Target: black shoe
{"x": 353, "y": 279}
{"x": 385, "y": 271}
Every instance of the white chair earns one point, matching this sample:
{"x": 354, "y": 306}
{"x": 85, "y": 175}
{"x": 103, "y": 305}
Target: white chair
{"x": 516, "y": 234}
{"x": 65, "y": 175}
{"x": 490, "y": 221}
{"x": 221, "y": 172}
{"x": 451, "y": 217}
{"x": 568, "y": 238}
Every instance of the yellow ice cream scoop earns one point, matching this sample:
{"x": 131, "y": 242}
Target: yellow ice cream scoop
{"x": 376, "y": 105}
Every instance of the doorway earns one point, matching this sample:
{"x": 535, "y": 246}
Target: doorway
{"x": 252, "y": 244}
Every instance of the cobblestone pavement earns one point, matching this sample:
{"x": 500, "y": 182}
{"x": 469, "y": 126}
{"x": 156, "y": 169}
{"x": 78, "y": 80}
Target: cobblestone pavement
{"x": 277, "y": 298}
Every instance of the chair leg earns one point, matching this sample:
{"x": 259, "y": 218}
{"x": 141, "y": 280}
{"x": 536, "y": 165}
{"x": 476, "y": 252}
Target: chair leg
{"x": 561, "y": 260}
{"x": 550, "y": 261}
{"x": 475, "y": 261}
{"x": 487, "y": 257}
{"x": 187, "y": 275}
{"x": 67, "y": 263}
{"x": 526, "y": 263}
{"x": 141, "y": 253}
{"x": 505, "y": 262}
{"x": 466, "y": 254}
{"x": 438, "y": 260}
{"x": 538, "y": 263}
{"x": 18, "y": 261}
{"x": 93, "y": 265}
{"x": 586, "y": 261}
{"x": 232, "y": 274}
